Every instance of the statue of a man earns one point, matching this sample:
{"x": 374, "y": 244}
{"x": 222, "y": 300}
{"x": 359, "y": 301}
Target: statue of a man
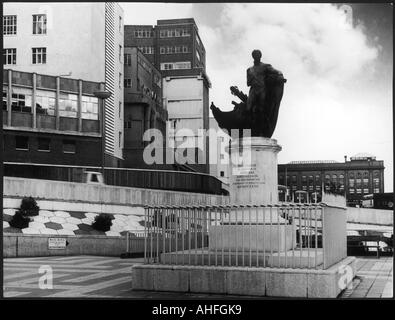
{"x": 256, "y": 79}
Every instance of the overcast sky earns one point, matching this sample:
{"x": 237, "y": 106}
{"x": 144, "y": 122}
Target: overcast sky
{"x": 338, "y": 97}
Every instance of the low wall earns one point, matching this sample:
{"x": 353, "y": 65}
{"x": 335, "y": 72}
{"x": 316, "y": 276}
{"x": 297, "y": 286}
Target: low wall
{"x": 22, "y": 245}
{"x": 88, "y": 193}
{"x": 370, "y": 216}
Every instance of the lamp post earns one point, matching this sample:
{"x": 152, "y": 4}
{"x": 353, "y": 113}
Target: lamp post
{"x": 102, "y": 95}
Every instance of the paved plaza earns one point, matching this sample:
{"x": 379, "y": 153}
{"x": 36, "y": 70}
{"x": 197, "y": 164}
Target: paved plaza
{"x": 106, "y": 277}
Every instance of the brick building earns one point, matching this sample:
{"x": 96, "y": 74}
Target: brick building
{"x": 359, "y": 176}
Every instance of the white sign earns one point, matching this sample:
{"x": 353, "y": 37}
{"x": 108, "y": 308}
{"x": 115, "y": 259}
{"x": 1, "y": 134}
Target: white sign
{"x": 57, "y": 243}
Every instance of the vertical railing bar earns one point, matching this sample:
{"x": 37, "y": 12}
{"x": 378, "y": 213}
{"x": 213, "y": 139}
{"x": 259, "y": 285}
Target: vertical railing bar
{"x": 309, "y": 237}
{"x": 208, "y": 228}
{"x": 189, "y": 235}
{"x": 195, "y": 228}
{"x": 202, "y": 232}
{"x": 242, "y": 235}
{"x": 270, "y": 238}
{"x": 151, "y": 234}
{"x": 249, "y": 234}
{"x": 316, "y": 236}
{"x": 222, "y": 233}
{"x": 168, "y": 220}
{"x": 278, "y": 237}
{"x": 163, "y": 218}
{"x": 216, "y": 236}
{"x": 175, "y": 226}
{"x": 293, "y": 236}
{"x": 236, "y": 233}
{"x": 183, "y": 235}
{"x": 300, "y": 237}
{"x": 145, "y": 234}
{"x": 256, "y": 238}
{"x": 157, "y": 237}
{"x": 286, "y": 218}
{"x": 229, "y": 228}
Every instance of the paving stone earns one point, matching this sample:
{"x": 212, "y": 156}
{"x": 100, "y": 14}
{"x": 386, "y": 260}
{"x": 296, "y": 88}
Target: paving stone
{"x": 53, "y": 225}
{"x": 90, "y": 215}
{"x": 83, "y": 232}
{"x": 41, "y": 219}
{"x": 73, "y": 220}
{"x": 36, "y": 225}
{"x": 57, "y": 219}
{"x": 87, "y": 221}
{"x": 62, "y": 214}
{"x": 5, "y": 224}
{"x": 97, "y": 233}
{"x": 85, "y": 227}
{"x": 30, "y": 231}
{"x": 70, "y": 226}
{"x": 66, "y": 232}
{"x": 48, "y": 231}
{"x": 77, "y": 215}
{"x": 113, "y": 233}
{"x": 46, "y": 213}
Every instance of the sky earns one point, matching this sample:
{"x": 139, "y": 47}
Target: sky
{"x": 338, "y": 97}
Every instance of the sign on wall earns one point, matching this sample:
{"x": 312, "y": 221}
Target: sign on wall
{"x": 57, "y": 243}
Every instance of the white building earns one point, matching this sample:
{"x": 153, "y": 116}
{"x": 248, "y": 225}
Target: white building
{"x": 219, "y": 163}
{"x": 80, "y": 40}
{"x": 186, "y": 100}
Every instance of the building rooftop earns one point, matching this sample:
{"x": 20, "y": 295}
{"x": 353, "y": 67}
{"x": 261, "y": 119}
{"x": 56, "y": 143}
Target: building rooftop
{"x": 362, "y": 156}
{"x": 312, "y": 162}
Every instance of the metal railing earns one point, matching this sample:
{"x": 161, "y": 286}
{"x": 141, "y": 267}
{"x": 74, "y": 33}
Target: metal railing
{"x": 284, "y": 235}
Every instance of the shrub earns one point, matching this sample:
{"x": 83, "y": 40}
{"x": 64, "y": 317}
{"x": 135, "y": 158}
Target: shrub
{"x": 19, "y": 220}
{"x": 29, "y": 207}
{"x": 103, "y": 222}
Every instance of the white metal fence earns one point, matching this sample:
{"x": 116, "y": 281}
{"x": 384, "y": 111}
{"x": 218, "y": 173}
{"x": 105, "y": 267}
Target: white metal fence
{"x": 278, "y": 236}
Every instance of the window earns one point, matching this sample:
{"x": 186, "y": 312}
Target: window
{"x": 120, "y": 139}
{"x": 68, "y": 105}
{"x": 143, "y": 34}
{"x": 127, "y": 83}
{"x": 120, "y": 80}
{"x": 44, "y": 144}
{"x": 21, "y": 100}
{"x": 376, "y": 190}
{"x": 351, "y": 190}
{"x": 127, "y": 59}
{"x": 120, "y": 110}
{"x": 334, "y": 177}
{"x": 175, "y": 65}
{"x": 365, "y": 191}
{"x": 9, "y": 56}
{"x": 222, "y": 174}
{"x": 359, "y": 190}
{"x": 179, "y": 32}
{"x": 147, "y": 50}
{"x": 197, "y": 40}
{"x": 45, "y": 102}
{"x": 120, "y": 24}
{"x": 120, "y": 53}
{"x": 90, "y": 108}
{"x": 5, "y": 95}
{"x": 351, "y": 183}
{"x": 39, "y": 24}
{"x": 39, "y": 55}
{"x": 68, "y": 146}
{"x": 9, "y": 25}
{"x": 162, "y": 50}
{"x": 21, "y": 143}
{"x": 197, "y": 55}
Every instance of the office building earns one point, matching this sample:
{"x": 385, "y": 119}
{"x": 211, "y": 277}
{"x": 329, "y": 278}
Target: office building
{"x": 51, "y": 120}
{"x": 72, "y": 40}
{"x": 354, "y": 178}
{"x": 175, "y": 48}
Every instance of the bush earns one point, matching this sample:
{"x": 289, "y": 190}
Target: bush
{"x": 29, "y": 207}
{"x": 19, "y": 220}
{"x": 103, "y": 222}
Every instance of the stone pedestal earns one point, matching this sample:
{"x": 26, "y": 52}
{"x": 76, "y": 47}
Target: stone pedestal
{"x": 253, "y": 171}
{"x": 253, "y": 181}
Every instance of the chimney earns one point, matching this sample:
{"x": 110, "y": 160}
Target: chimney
{"x": 345, "y": 158}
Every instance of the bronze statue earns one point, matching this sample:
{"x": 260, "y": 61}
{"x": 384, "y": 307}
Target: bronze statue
{"x": 259, "y": 110}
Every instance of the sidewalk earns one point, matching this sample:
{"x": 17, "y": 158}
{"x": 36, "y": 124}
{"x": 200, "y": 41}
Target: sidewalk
{"x": 374, "y": 279}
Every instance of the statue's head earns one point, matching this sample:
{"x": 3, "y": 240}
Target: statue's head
{"x": 256, "y": 55}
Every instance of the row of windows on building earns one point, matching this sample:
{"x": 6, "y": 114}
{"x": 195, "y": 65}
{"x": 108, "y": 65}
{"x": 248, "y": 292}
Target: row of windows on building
{"x": 21, "y": 101}
{"x": 174, "y": 49}
{"x": 175, "y": 65}
{"x": 22, "y": 143}
{"x": 165, "y": 33}
{"x": 39, "y": 56}
{"x": 39, "y": 23}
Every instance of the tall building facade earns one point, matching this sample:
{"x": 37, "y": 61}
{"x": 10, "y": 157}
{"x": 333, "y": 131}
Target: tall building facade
{"x": 175, "y": 48}
{"x": 355, "y": 178}
{"x": 143, "y": 105}
{"x": 77, "y": 40}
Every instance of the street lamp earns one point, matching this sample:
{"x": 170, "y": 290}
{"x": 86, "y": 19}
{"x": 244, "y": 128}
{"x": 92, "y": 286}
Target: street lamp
{"x": 102, "y": 95}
